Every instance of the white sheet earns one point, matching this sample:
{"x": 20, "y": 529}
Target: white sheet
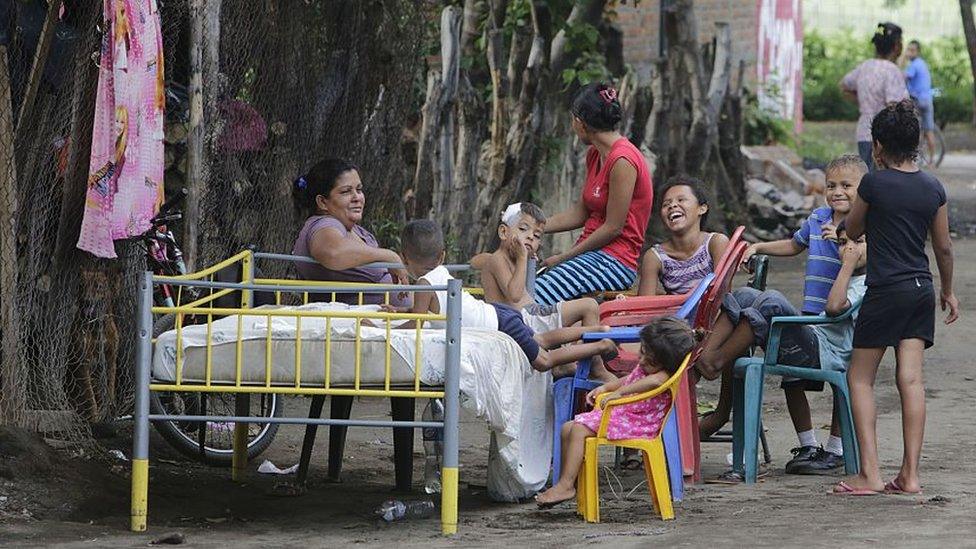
{"x": 497, "y": 382}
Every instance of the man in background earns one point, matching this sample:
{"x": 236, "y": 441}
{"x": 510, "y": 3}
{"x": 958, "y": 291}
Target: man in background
{"x": 919, "y": 83}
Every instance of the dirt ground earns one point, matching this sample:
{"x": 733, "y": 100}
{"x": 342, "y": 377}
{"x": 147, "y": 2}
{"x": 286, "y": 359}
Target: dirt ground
{"x": 83, "y": 502}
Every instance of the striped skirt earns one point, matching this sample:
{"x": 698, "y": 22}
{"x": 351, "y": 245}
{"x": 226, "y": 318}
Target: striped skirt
{"x": 584, "y": 274}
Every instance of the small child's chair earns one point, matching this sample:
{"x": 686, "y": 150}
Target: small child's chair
{"x": 565, "y": 390}
{"x": 655, "y": 465}
{"x": 747, "y": 395}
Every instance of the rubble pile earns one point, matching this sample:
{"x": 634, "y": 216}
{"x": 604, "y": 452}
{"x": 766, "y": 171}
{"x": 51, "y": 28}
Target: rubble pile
{"x": 780, "y": 191}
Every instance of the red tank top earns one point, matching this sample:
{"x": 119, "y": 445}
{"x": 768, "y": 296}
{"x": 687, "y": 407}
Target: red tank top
{"x": 627, "y": 247}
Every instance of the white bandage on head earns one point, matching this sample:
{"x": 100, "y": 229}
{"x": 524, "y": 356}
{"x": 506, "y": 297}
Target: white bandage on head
{"x": 512, "y": 213}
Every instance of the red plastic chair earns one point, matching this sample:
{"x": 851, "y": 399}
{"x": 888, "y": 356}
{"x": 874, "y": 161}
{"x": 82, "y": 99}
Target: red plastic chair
{"x": 635, "y": 311}
{"x": 687, "y": 401}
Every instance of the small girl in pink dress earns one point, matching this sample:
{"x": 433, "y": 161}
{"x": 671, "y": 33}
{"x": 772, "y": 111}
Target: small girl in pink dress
{"x": 665, "y": 341}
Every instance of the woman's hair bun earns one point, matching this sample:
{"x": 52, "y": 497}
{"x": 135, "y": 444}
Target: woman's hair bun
{"x": 598, "y": 106}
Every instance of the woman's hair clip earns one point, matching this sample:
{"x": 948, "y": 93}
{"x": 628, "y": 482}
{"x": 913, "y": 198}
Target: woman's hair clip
{"x": 608, "y": 94}
{"x": 301, "y": 183}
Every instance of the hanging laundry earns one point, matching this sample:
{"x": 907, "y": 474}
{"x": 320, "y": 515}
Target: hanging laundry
{"x": 125, "y": 181}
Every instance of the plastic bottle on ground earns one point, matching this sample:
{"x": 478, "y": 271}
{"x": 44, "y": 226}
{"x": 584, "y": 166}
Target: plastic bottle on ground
{"x": 394, "y": 510}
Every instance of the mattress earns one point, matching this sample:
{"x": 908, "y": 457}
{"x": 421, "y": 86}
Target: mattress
{"x": 341, "y": 353}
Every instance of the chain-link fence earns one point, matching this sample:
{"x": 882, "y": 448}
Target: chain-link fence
{"x": 256, "y": 91}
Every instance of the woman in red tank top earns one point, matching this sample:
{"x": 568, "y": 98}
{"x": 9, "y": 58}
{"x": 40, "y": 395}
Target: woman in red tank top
{"x": 613, "y": 211}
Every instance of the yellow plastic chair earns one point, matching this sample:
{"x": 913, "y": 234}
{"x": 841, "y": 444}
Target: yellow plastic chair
{"x": 655, "y": 464}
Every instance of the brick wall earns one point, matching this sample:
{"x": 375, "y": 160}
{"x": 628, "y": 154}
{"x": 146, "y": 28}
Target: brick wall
{"x": 640, "y": 27}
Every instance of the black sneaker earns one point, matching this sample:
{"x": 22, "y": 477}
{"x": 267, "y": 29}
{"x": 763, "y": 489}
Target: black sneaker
{"x": 822, "y": 462}
{"x": 801, "y": 455}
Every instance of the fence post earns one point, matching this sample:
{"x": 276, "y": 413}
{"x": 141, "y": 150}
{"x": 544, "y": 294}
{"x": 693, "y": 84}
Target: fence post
{"x": 140, "y": 415}
{"x": 452, "y": 387}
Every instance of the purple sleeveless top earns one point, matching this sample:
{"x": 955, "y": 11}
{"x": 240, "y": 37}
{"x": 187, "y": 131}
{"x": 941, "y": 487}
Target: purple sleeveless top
{"x": 681, "y": 277}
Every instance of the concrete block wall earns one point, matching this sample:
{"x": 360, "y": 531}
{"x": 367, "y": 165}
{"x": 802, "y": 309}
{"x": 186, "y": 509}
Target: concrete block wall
{"x": 640, "y": 26}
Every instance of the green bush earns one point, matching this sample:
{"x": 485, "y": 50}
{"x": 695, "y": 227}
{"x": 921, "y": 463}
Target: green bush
{"x": 827, "y": 58}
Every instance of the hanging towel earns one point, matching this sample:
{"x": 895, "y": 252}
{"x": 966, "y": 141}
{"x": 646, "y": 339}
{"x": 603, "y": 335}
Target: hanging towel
{"x": 125, "y": 181}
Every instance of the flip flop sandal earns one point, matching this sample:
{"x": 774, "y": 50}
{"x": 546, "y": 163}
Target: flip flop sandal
{"x": 844, "y": 489}
{"x": 893, "y": 487}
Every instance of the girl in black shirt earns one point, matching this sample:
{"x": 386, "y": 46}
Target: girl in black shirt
{"x": 897, "y": 207}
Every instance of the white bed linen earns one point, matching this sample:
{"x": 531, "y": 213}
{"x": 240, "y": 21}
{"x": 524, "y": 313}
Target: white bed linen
{"x": 497, "y": 382}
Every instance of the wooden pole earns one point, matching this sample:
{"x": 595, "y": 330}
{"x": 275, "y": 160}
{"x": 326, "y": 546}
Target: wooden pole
{"x": 40, "y": 59}
{"x": 969, "y": 29}
{"x": 12, "y": 388}
{"x": 204, "y": 73}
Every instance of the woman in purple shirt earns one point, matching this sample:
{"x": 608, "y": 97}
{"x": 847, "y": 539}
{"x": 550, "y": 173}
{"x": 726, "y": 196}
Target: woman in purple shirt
{"x": 875, "y": 83}
{"x": 332, "y": 193}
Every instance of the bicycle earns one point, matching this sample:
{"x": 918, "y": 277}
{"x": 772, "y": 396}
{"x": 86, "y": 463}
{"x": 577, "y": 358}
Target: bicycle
{"x": 940, "y": 146}
{"x": 208, "y": 442}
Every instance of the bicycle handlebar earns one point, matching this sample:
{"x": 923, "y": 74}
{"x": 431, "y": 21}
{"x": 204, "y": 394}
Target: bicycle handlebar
{"x": 173, "y": 201}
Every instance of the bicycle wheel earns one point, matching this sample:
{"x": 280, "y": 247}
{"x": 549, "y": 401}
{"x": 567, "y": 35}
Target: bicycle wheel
{"x": 218, "y": 437}
{"x": 940, "y": 149}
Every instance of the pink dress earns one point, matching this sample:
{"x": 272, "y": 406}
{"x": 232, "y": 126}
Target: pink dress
{"x": 125, "y": 181}
{"x": 635, "y": 420}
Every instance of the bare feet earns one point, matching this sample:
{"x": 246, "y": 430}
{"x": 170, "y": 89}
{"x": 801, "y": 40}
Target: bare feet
{"x": 555, "y": 495}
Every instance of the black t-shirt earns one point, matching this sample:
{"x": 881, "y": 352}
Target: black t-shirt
{"x": 901, "y": 208}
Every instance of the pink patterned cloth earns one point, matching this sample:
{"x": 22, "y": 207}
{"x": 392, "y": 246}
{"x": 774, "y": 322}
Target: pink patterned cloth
{"x": 641, "y": 419}
{"x": 125, "y": 182}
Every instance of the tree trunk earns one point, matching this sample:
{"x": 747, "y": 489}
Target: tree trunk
{"x": 450, "y": 67}
{"x": 969, "y": 29}
{"x": 13, "y": 389}
{"x": 204, "y": 79}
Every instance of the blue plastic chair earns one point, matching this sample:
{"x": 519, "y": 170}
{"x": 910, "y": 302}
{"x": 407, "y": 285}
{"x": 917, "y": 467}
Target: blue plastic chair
{"x": 565, "y": 390}
{"x": 747, "y": 395}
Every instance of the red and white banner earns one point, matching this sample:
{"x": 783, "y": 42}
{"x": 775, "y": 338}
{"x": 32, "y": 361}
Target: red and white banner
{"x": 779, "y": 58}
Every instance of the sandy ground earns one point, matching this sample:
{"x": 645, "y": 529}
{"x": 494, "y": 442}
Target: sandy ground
{"x": 85, "y": 504}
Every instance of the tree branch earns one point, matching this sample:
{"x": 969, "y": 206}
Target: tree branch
{"x": 584, "y": 11}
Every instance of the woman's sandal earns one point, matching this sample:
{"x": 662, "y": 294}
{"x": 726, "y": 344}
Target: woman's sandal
{"x": 844, "y": 489}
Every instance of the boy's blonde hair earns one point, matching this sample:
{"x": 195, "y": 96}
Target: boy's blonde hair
{"x": 847, "y": 161}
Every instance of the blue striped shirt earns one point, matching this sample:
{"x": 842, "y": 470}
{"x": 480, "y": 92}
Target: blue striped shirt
{"x": 823, "y": 260}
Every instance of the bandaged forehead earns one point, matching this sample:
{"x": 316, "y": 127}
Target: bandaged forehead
{"x": 512, "y": 213}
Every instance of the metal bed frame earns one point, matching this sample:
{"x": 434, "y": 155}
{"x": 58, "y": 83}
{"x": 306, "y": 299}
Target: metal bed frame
{"x": 246, "y": 287}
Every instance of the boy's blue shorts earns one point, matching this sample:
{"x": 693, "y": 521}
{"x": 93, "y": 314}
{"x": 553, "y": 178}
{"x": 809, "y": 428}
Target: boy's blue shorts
{"x": 510, "y": 322}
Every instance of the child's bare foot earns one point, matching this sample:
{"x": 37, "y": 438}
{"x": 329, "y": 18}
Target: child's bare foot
{"x": 555, "y": 495}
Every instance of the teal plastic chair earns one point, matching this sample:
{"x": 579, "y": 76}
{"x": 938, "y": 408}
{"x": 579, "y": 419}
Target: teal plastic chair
{"x": 747, "y": 396}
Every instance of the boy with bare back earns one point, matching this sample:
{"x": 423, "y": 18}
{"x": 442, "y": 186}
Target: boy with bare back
{"x": 503, "y": 278}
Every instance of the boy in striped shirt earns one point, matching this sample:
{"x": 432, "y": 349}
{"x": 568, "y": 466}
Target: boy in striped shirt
{"x": 817, "y": 235}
